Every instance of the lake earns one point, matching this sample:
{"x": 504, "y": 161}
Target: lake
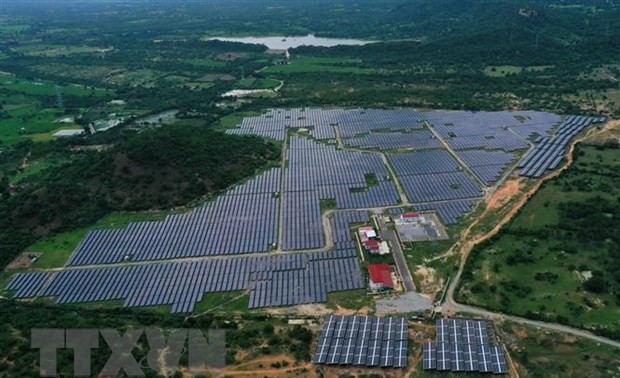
{"x": 282, "y": 43}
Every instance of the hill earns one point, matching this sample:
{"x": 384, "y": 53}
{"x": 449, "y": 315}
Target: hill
{"x": 157, "y": 169}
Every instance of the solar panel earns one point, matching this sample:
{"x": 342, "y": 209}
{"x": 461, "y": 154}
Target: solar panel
{"x": 443, "y": 357}
{"x": 485, "y": 364}
{"x": 457, "y": 357}
{"x": 470, "y": 357}
{"x": 498, "y": 360}
{"x": 362, "y": 341}
{"x": 430, "y": 356}
{"x": 463, "y": 345}
{"x": 400, "y": 354}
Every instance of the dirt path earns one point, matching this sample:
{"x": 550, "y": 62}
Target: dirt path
{"x": 505, "y": 193}
{"x": 267, "y": 370}
{"x": 24, "y": 163}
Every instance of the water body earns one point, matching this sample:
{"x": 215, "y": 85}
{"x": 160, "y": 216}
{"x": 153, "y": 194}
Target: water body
{"x": 282, "y": 43}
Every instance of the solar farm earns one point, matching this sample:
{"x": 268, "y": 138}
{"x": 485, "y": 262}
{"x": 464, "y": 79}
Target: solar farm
{"x": 268, "y": 236}
{"x": 363, "y": 341}
{"x": 464, "y": 345}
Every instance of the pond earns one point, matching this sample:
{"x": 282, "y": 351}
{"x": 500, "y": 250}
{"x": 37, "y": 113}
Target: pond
{"x": 282, "y": 43}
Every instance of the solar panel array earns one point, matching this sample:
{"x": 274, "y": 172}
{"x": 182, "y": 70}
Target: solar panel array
{"x": 363, "y": 341}
{"x": 244, "y": 220}
{"x": 316, "y": 172}
{"x": 550, "y": 151}
{"x": 487, "y": 165}
{"x": 423, "y": 162}
{"x": 419, "y": 140}
{"x": 432, "y": 175}
{"x": 490, "y": 130}
{"x": 440, "y": 187}
{"x": 304, "y": 281}
{"x": 340, "y": 224}
{"x": 27, "y": 285}
{"x": 274, "y": 123}
{"x": 361, "y": 121}
{"x": 464, "y": 345}
{"x": 276, "y": 280}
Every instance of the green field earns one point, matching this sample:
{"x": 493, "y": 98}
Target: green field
{"x": 42, "y": 88}
{"x": 307, "y": 64}
{"x": 24, "y": 116}
{"x": 208, "y": 63}
{"x": 557, "y": 260}
{"x": 57, "y": 249}
{"x": 252, "y": 83}
{"x": 226, "y": 303}
{"x": 51, "y": 51}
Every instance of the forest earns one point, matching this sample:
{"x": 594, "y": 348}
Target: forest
{"x": 158, "y": 169}
{"x": 261, "y": 334}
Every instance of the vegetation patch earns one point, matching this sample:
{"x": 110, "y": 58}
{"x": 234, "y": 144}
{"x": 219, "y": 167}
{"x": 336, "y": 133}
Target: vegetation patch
{"x": 557, "y": 260}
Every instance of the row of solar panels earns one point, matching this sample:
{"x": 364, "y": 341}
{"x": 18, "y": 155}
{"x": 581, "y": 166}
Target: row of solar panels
{"x": 464, "y": 345}
{"x": 183, "y": 284}
{"x": 420, "y": 140}
{"x": 464, "y": 358}
{"x": 363, "y": 341}
{"x": 440, "y": 187}
{"x": 549, "y": 152}
{"x": 294, "y": 287}
{"x": 423, "y": 162}
{"x": 341, "y": 222}
{"x": 245, "y": 220}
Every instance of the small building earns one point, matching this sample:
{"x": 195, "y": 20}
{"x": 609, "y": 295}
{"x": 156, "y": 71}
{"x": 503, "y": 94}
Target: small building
{"x": 367, "y": 233}
{"x": 411, "y": 218}
{"x": 380, "y": 277}
{"x": 68, "y": 133}
{"x": 373, "y": 246}
{"x": 377, "y": 247}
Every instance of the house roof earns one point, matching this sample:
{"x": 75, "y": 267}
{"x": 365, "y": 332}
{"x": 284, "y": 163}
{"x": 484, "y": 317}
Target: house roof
{"x": 373, "y": 245}
{"x": 380, "y": 273}
{"x": 410, "y": 215}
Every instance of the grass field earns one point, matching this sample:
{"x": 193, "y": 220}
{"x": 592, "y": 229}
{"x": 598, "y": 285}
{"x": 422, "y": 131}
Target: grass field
{"x": 306, "y": 64}
{"x": 542, "y": 354}
{"x": 57, "y": 249}
{"x": 52, "y": 51}
{"x": 352, "y": 299}
{"x": 541, "y": 264}
{"x": 42, "y": 88}
{"x": 233, "y": 120}
{"x": 207, "y": 63}
{"x": 252, "y": 83}
{"x": 229, "y": 302}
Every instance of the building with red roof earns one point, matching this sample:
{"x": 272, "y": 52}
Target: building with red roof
{"x": 367, "y": 233}
{"x": 380, "y": 277}
{"x": 411, "y": 218}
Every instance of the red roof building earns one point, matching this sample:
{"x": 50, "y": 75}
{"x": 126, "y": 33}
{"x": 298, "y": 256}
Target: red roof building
{"x": 411, "y": 216}
{"x": 380, "y": 276}
{"x": 372, "y": 244}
